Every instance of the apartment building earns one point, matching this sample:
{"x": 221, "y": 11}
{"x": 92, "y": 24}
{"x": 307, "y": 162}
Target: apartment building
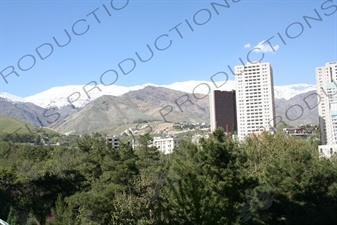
{"x": 113, "y": 141}
{"x": 223, "y": 110}
{"x": 166, "y": 144}
{"x": 254, "y": 99}
{"x": 326, "y": 84}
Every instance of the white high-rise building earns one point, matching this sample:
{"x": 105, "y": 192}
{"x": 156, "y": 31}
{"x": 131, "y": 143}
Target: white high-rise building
{"x": 326, "y": 83}
{"x": 254, "y": 99}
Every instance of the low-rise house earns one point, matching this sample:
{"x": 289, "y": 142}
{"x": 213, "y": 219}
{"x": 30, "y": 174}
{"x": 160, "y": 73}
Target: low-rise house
{"x": 327, "y": 150}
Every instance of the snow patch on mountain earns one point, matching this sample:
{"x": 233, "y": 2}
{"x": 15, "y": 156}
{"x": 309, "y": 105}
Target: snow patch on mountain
{"x": 77, "y": 95}
{"x": 11, "y": 98}
{"x": 204, "y": 87}
{"x": 289, "y": 91}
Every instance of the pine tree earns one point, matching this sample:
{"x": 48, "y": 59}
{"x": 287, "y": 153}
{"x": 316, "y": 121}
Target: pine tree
{"x": 58, "y": 213}
{"x": 31, "y": 220}
{"x": 304, "y": 187}
{"x": 12, "y": 218}
{"x": 207, "y": 183}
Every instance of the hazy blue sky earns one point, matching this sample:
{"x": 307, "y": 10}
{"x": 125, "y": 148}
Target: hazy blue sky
{"x": 126, "y": 27}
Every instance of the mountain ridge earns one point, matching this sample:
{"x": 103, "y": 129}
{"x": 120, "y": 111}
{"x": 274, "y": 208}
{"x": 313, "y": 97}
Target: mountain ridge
{"x": 160, "y": 105}
{"x": 150, "y": 103}
{"x": 107, "y": 112}
{"x": 62, "y": 96}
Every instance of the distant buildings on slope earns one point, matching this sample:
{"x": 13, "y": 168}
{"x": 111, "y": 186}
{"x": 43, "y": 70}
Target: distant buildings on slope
{"x": 164, "y": 144}
{"x": 299, "y": 131}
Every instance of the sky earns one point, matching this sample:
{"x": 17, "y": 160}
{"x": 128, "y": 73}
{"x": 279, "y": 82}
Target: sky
{"x": 189, "y": 40}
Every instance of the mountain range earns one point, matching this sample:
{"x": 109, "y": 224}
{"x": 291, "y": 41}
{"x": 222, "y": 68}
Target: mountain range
{"x": 104, "y": 108}
{"x": 58, "y": 96}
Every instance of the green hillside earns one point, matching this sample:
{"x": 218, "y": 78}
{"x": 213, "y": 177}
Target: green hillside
{"x": 10, "y": 125}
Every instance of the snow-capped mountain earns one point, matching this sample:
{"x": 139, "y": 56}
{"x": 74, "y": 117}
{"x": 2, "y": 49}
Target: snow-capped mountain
{"x": 289, "y": 91}
{"x": 80, "y": 96}
{"x": 285, "y": 92}
{"x": 11, "y": 98}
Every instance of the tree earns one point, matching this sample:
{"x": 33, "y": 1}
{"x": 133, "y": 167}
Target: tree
{"x": 208, "y": 183}
{"x": 13, "y": 218}
{"x": 305, "y": 188}
{"x": 141, "y": 202}
{"x": 31, "y": 220}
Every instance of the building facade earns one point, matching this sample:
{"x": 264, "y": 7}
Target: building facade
{"x": 327, "y": 150}
{"x": 223, "y": 110}
{"x": 254, "y": 99}
{"x": 113, "y": 141}
{"x": 166, "y": 144}
{"x": 326, "y": 84}
{"x": 326, "y": 78}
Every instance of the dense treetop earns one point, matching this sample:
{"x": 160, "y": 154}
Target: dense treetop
{"x": 270, "y": 179}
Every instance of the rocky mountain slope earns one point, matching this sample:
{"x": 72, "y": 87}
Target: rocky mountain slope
{"x": 301, "y": 109}
{"x": 24, "y": 111}
{"x": 33, "y": 114}
{"x": 148, "y": 104}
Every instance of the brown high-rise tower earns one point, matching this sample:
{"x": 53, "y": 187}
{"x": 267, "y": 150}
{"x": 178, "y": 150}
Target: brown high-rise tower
{"x": 223, "y": 110}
